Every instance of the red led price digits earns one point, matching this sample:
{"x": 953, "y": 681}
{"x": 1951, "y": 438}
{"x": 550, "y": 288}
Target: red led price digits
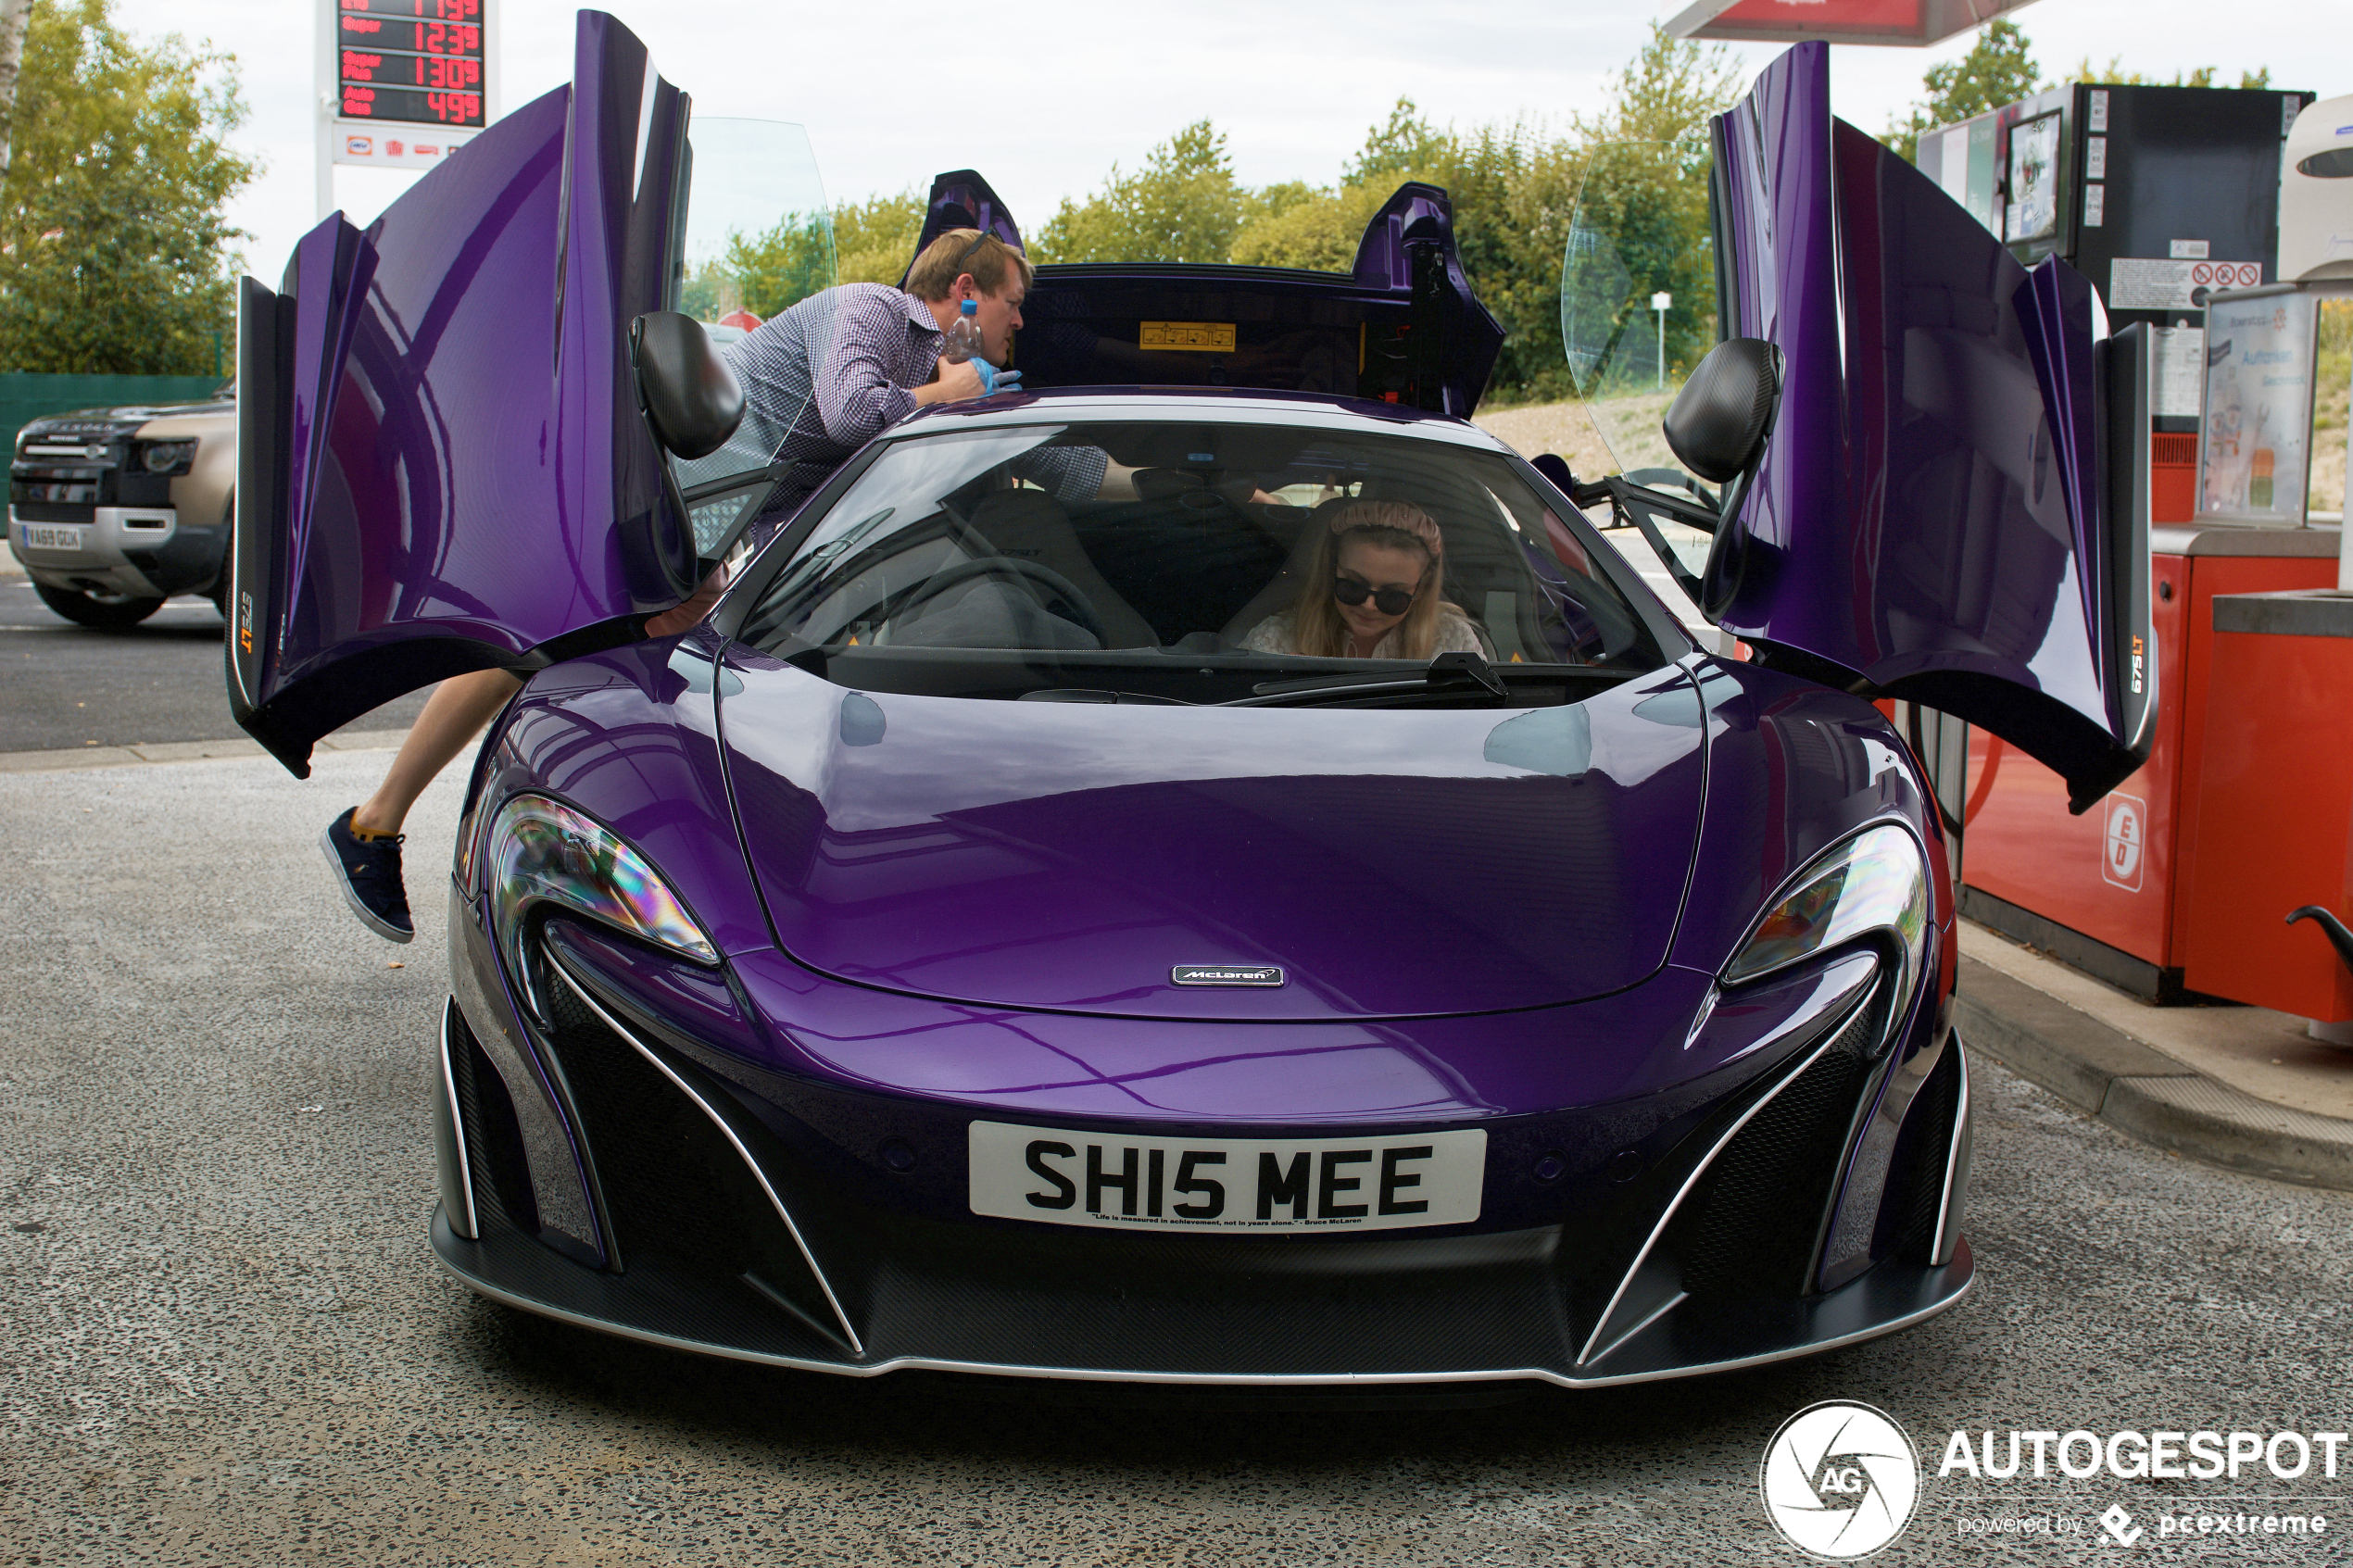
{"x": 427, "y": 72}
{"x": 454, "y": 108}
{"x": 447, "y": 74}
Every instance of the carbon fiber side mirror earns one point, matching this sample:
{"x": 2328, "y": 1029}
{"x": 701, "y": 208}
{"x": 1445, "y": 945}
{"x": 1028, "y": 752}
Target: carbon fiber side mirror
{"x": 691, "y": 399}
{"x": 1717, "y": 423}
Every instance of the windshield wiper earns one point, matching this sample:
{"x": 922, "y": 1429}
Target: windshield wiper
{"x": 1448, "y": 672}
{"x": 1090, "y": 694}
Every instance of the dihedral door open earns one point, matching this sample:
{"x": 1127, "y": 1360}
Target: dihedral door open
{"x": 1949, "y": 506}
{"x": 442, "y": 466}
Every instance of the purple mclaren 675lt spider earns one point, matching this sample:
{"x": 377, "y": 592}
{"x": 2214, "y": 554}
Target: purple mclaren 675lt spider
{"x": 969, "y": 949}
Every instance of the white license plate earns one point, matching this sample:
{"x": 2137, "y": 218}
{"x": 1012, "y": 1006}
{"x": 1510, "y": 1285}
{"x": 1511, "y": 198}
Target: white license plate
{"x": 1369, "y": 1181}
{"x": 50, "y": 535}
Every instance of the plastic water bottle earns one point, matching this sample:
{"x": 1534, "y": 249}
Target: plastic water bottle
{"x": 963, "y": 335}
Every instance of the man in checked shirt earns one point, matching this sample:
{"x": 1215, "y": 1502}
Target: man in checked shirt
{"x": 820, "y": 380}
{"x": 825, "y": 377}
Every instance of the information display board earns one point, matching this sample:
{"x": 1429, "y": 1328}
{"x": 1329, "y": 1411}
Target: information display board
{"x": 2255, "y": 453}
{"x": 409, "y": 79}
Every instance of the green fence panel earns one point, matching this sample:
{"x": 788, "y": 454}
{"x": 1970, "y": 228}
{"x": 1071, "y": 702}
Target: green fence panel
{"x": 25, "y": 397}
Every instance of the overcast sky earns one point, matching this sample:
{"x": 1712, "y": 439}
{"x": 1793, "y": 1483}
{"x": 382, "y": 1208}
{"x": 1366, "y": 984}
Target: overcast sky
{"x": 1042, "y": 98}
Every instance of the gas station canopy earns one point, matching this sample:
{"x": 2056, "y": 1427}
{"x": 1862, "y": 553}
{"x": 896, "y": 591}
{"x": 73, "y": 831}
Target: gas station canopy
{"x": 1912, "y": 22}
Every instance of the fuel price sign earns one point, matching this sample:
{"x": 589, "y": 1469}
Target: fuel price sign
{"x": 409, "y": 79}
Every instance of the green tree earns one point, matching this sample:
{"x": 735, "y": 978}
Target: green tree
{"x": 867, "y": 242}
{"x": 1319, "y": 227}
{"x": 1273, "y": 201}
{"x": 1669, "y": 92}
{"x": 2113, "y": 74}
{"x": 1402, "y": 148}
{"x": 1182, "y": 205}
{"x": 1648, "y": 202}
{"x": 779, "y": 269}
{"x": 1513, "y": 187}
{"x": 114, "y": 243}
{"x": 1641, "y": 184}
{"x": 1998, "y": 71}
{"x": 15, "y": 16}
{"x": 875, "y": 240}
{"x": 1318, "y": 231}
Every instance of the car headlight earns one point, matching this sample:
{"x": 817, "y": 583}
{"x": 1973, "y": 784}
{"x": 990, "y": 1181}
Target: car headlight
{"x": 541, "y": 850}
{"x": 169, "y": 456}
{"x": 1876, "y": 881}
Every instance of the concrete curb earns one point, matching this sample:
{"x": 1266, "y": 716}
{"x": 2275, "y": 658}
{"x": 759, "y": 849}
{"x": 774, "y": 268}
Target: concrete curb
{"x": 2141, "y": 1091}
{"x": 150, "y": 753}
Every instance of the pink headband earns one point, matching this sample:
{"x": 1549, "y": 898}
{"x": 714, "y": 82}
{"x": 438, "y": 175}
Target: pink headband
{"x": 1397, "y": 514}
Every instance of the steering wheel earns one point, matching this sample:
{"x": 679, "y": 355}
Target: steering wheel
{"x": 1055, "y": 584}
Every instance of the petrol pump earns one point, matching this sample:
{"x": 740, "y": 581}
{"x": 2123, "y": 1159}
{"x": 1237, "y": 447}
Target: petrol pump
{"x": 2165, "y": 197}
{"x": 2271, "y": 893}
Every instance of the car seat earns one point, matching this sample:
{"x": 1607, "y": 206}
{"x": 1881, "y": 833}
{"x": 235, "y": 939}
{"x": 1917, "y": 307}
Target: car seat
{"x": 1031, "y": 525}
{"x": 1282, "y": 590}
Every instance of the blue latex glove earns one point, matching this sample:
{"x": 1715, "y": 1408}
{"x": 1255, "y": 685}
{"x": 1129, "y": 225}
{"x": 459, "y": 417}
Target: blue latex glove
{"x": 994, "y": 379}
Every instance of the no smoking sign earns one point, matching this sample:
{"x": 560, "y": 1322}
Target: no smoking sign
{"x": 2227, "y": 275}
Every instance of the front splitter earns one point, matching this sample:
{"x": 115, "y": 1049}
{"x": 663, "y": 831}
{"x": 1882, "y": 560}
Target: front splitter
{"x": 733, "y": 1319}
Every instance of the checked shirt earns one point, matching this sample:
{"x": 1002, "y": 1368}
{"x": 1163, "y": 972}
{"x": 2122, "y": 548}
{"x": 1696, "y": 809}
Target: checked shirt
{"x": 834, "y": 371}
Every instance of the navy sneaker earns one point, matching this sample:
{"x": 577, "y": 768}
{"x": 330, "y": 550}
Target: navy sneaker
{"x": 367, "y": 870}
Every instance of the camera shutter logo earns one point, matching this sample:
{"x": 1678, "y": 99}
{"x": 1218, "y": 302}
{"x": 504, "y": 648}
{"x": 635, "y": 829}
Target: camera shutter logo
{"x": 1840, "y": 1480}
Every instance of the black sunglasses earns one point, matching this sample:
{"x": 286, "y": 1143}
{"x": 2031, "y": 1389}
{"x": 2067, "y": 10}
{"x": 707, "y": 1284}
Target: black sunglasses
{"x": 1388, "y": 601}
{"x": 979, "y": 240}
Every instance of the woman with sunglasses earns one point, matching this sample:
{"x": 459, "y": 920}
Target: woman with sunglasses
{"x": 1372, "y": 591}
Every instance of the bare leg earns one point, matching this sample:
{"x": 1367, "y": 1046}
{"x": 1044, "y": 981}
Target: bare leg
{"x": 683, "y": 617}
{"x": 456, "y": 712}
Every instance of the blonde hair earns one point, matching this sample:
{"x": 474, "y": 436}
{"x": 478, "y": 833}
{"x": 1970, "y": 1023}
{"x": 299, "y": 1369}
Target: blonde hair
{"x": 1316, "y": 629}
{"x": 944, "y": 260}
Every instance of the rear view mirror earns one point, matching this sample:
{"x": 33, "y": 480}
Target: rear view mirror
{"x": 691, "y": 399}
{"x": 1717, "y": 423}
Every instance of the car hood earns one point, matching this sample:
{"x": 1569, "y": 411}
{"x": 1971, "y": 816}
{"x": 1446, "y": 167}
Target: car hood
{"x": 1070, "y": 856}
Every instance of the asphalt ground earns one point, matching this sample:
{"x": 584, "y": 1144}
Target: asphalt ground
{"x": 223, "y": 1338}
{"x": 65, "y": 685}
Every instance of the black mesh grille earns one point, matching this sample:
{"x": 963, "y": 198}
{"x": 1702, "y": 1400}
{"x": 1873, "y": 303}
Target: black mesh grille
{"x": 1751, "y": 1223}
{"x": 494, "y": 1141}
{"x": 1928, "y": 1139}
{"x": 55, "y": 511}
{"x": 673, "y": 1184}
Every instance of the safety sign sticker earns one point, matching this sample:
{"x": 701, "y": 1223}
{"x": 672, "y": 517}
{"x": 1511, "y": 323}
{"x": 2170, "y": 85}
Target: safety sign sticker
{"x": 2124, "y": 843}
{"x": 2148, "y": 283}
{"x": 2227, "y": 274}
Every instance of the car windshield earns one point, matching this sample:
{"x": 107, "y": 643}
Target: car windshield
{"x": 1198, "y": 562}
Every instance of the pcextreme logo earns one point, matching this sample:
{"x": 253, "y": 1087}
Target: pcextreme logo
{"x": 1840, "y": 1480}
